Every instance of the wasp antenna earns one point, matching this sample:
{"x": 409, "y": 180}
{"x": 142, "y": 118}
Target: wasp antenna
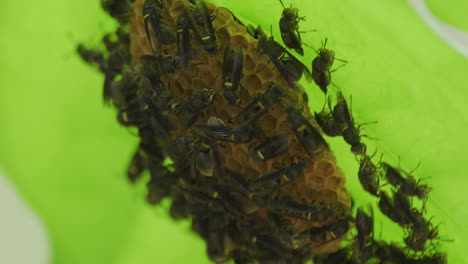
{"x": 324, "y": 44}
{"x": 417, "y": 166}
{"x": 344, "y": 61}
{"x": 373, "y": 154}
{"x": 342, "y": 65}
{"x": 369, "y": 123}
{"x": 369, "y": 137}
{"x": 307, "y": 45}
{"x": 381, "y": 157}
{"x": 282, "y": 3}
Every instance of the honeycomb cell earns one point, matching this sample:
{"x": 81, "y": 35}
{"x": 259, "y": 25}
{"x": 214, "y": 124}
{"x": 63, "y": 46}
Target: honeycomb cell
{"x": 324, "y": 168}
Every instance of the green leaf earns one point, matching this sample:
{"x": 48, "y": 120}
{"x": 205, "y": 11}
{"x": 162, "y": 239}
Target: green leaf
{"x": 65, "y": 152}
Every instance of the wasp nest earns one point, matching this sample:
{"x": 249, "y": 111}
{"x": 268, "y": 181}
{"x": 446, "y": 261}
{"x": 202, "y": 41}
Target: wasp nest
{"x": 312, "y": 207}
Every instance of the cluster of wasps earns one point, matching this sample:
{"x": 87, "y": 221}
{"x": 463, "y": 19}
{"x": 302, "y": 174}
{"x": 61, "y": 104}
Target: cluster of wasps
{"x": 397, "y": 206}
{"x": 221, "y": 202}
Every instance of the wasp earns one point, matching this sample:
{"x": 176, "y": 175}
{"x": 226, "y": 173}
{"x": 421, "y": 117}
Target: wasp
{"x": 196, "y": 196}
{"x": 92, "y": 57}
{"x": 270, "y": 148}
{"x": 159, "y": 122}
{"x": 271, "y": 181}
{"x": 437, "y": 258}
{"x": 189, "y": 111}
{"x": 155, "y": 66}
{"x": 152, "y": 14}
{"x": 321, "y": 67}
{"x": 412, "y": 187}
{"x": 408, "y": 185}
{"x": 136, "y": 167}
{"x": 156, "y": 91}
{"x": 256, "y": 33}
{"x": 133, "y": 115}
{"x": 289, "y": 27}
{"x": 178, "y": 209}
{"x": 118, "y": 9}
{"x": 342, "y": 256}
{"x": 233, "y": 64}
{"x": 287, "y": 235}
{"x": 206, "y": 158}
{"x": 115, "y": 65}
{"x": 216, "y": 130}
{"x": 368, "y": 176}
{"x": 365, "y": 234}
{"x": 326, "y": 121}
{"x": 421, "y": 231}
{"x": 287, "y": 206}
{"x": 325, "y": 234}
{"x": 341, "y": 114}
{"x": 180, "y": 150}
{"x": 200, "y": 22}
{"x": 124, "y": 92}
{"x": 216, "y": 246}
{"x": 397, "y": 208}
{"x": 259, "y": 106}
{"x": 289, "y": 66}
{"x": 393, "y": 176}
{"x": 390, "y": 252}
{"x": 161, "y": 183}
{"x": 184, "y": 50}
{"x": 204, "y": 162}
{"x": 308, "y": 136}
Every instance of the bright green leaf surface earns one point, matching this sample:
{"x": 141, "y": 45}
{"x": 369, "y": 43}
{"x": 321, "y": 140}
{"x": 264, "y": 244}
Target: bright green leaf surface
{"x": 67, "y": 155}
{"x": 453, "y": 12}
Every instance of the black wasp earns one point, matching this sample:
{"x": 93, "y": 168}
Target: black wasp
{"x": 232, "y": 72}
{"x": 200, "y": 22}
{"x": 329, "y": 232}
{"x": 216, "y": 130}
{"x": 365, "y": 235}
{"x": 137, "y": 166}
{"x": 321, "y": 67}
{"x": 289, "y": 66}
{"x": 271, "y": 147}
{"x": 287, "y": 206}
{"x": 155, "y": 66}
{"x": 289, "y": 26}
{"x": 272, "y": 181}
{"x": 185, "y": 51}
{"x": 308, "y": 136}
{"x": 368, "y": 176}
{"x": 152, "y": 14}
{"x": 189, "y": 111}
{"x": 118, "y": 9}
{"x": 259, "y": 106}
{"x": 408, "y": 185}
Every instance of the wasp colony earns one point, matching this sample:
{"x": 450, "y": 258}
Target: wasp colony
{"x": 251, "y": 167}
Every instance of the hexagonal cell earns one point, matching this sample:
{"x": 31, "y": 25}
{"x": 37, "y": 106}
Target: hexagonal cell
{"x": 251, "y": 83}
{"x": 267, "y": 123}
{"x": 328, "y": 196}
{"x": 315, "y": 180}
{"x": 324, "y": 168}
{"x": 334, "y": 182}
{"x": 249, "y": 64}
{"x": 239, "y": 40}
{"x": 223, "y": 17}
{"x": 176, "y": 87}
